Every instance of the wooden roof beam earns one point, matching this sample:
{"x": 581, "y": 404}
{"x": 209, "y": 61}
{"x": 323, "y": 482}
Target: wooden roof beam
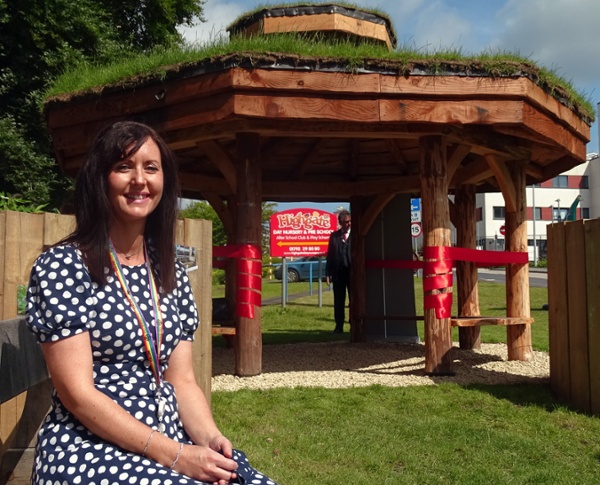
{"x": 222, "y": 210}
{"x": 194, "y": 182}
{"x": 505, "y": 182}
{"x": 455, "y": 158}
{"x": 221, "y": 159}
{"x": 397, "y": 155}
{"x": 338, "y": 190}
{"x": 353, "y": 159}
{"x": 473, "y": 173}
{"x": 371, "y": 213}
{"x": 308, "y": 159}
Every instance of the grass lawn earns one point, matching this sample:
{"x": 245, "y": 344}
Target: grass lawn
{"x": 442, "y": 434}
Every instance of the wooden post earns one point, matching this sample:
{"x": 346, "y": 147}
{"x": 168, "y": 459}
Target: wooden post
{"x": 466, "y": 272}
{"x": 517, "y": 275}
{"x": 248, "y": 340}
{"x": 198, "y": 234}
{"x": 357, "y": 273}
{"x": 436, "y": 232}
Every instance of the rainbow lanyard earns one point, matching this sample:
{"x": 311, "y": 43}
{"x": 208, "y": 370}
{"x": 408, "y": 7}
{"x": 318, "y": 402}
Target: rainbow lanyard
{"x": 151, "y": 345}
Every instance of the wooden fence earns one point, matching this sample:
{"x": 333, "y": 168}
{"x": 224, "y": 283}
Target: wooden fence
{"x": 574, "y": 312}
{"x": 22, "y": 238}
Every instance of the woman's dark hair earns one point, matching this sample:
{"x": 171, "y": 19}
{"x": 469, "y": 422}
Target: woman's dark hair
{"x": 93, "y": 210}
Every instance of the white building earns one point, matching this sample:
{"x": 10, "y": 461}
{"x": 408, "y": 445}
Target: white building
{"x": 547, "y": 202}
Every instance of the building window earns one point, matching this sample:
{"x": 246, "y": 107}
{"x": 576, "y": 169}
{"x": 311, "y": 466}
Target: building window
{"x": 479, "y": 214}
{"x": 537, "y": 213}
{"x": 498, "y": 212}
{"x": 585, "y": 212}
{"x": 584, "y": 184}
{"x": 559, "y": 215}
{"x": 562, "y": 181}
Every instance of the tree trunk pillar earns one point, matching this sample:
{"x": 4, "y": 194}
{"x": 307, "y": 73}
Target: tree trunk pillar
{"x": 517, "y": 275}
{"x": 357, "y": 273}
{"x": 466, "y": 272}
{"x": 248, "y": 339}
{"x": 436, "y": 232}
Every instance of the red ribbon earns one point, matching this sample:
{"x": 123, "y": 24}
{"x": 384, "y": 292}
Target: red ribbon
{"x": 437, "y": 270}
{"x": 249, "y": 274}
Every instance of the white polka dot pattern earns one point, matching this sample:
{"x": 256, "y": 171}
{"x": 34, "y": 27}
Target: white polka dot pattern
{"x": 63, "y": 301}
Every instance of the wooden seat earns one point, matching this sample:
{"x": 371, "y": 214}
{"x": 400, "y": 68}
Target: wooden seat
{"x": 459, "y": 321}
{"x": 480, "y": 321}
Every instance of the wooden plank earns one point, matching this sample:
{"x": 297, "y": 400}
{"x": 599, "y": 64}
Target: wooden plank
{"x": 480, "y": 321}
{"x": 9, "y": 417}
{"x": 22, "y": 363}
{"x": 455, "y": 111}
{"x": 16, "y": 467}
{"x": 57, "y": 227}
{"x": 298, "y": 107}
{"x": 592, "y": 263}
{"x": 325, "y": 23}
{"x": 560, "y": 375}
{"x": 483, "y": 88}
{"x": 577, "y": 313}
{"x": 223, "y": 330}
{"x": 3, "y": 256}
{"x": 554, "y": 133}
{"x": 198, "y": 234}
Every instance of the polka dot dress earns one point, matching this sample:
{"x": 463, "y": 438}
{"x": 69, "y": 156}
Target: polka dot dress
{"x": 62, "y": 302}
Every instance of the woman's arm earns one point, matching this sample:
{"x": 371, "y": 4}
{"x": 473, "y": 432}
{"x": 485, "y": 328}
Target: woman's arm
{"x": 195, "y": 414}
{"x": 194, "y": 411}
{"x": 70, "y": 365}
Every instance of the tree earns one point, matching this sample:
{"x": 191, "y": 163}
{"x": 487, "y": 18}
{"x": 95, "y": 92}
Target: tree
{"x": 39, "y": 40}
{"x": 203, "y": 210}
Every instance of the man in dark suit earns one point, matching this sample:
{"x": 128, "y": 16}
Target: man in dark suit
{"x": 337, "y": 269}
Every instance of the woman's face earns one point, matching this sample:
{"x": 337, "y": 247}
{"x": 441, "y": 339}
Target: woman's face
{"x": 135, "y": 185}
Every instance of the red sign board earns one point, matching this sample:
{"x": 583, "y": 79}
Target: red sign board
{"x": 503, "y": 230}
{"x": 301, "y": 232}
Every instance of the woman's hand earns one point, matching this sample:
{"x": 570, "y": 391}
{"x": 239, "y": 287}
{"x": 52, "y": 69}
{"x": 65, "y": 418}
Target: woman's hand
{"x": 206, "y": 464}
{"x": 222, "y": 445}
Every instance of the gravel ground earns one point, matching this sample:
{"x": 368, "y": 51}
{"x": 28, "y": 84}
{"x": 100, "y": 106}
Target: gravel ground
{"x": 342, "y": 364}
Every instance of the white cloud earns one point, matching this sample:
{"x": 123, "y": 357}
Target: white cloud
{"x": 561, "y": 35}
{"x": 218, "y": 16}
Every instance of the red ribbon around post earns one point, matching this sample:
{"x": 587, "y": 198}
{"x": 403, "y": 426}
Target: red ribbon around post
{"x": 437, "y": 270}
{"x": 248, "y": 274}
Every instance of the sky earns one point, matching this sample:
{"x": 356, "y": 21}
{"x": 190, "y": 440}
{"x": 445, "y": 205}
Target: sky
{"x": 562, "y": 35}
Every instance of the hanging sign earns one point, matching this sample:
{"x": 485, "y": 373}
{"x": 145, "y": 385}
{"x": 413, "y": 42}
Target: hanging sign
{"x": 301, "y": 232}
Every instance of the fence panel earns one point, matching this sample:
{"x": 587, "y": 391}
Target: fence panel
{"x": 574, "y": 312}
{"x": 592, "y": 251}
{"x": 557, "y": 312}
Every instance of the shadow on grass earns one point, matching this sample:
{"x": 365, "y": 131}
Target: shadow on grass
{"x": 539, "y": 395}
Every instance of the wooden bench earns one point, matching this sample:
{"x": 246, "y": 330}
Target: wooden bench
{"x": 25, "y": 398}
{"x": 459, "y": 321}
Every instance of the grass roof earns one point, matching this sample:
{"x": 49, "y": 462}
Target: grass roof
{"x": 314, "y": 52}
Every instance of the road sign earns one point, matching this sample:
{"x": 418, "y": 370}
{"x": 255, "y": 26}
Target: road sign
{"x": 503, "y": 230}
{"x": 416, "y": 229}
{"x": 301, "y": 232}
{"x": 415, "y": 210}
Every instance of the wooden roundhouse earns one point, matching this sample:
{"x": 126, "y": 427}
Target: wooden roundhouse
{"x": 248, "y": 127}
